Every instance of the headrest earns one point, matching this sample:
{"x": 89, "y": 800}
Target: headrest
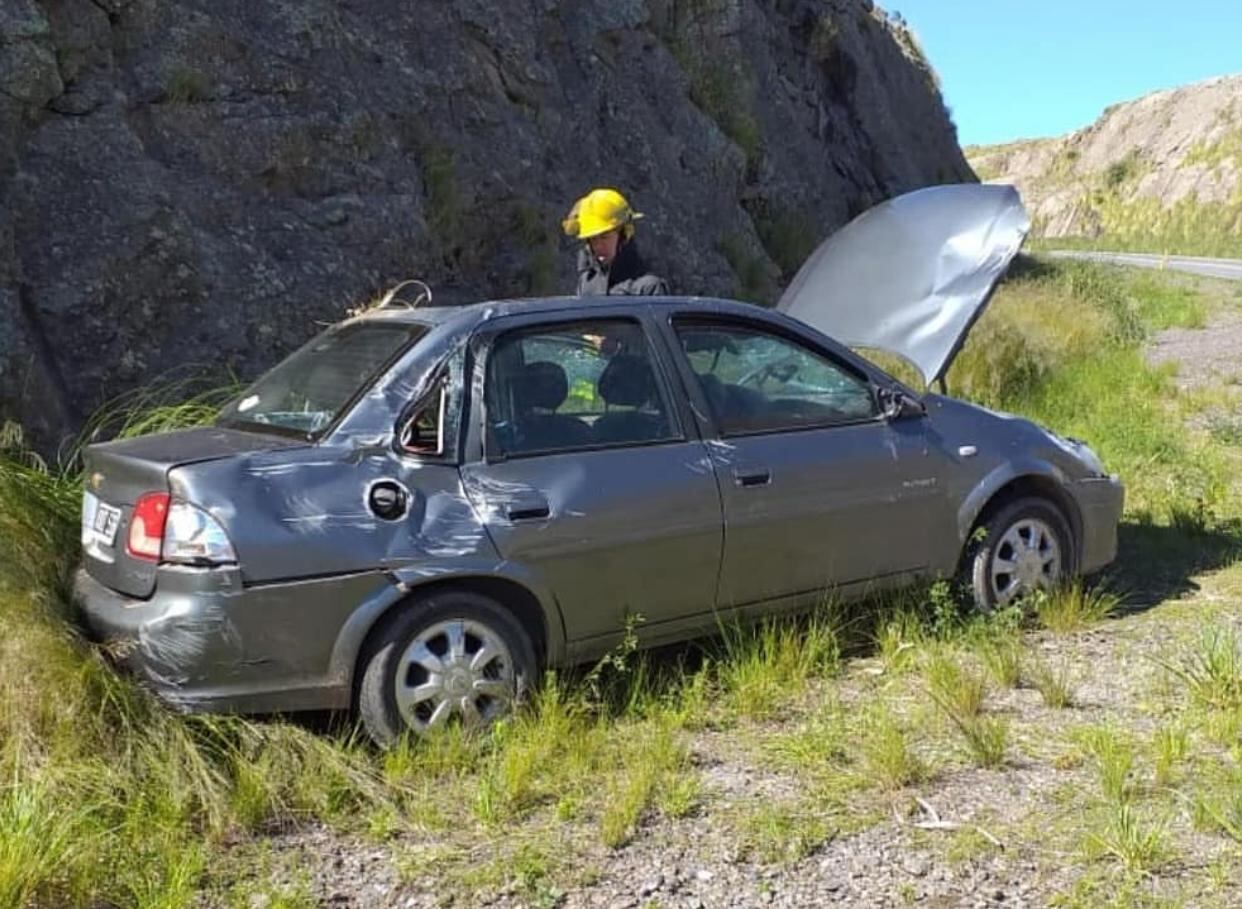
{"x": 541, "y": 384}
{"x": 627, "y": 380}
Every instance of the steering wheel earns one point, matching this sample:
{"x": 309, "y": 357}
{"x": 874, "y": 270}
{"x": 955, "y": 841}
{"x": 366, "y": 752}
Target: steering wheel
{"x": 780, "y": 370}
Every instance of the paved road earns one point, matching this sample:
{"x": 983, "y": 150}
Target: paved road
{"x": 1212, "y": 268}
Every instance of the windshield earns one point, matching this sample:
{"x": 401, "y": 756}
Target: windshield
{"x": 310, "y": 389}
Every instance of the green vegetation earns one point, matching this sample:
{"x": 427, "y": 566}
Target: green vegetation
{"x": 1213, "y": 154}
{"x": 725, "y": 92}
{"x": 789, "y": 238}
{"x": 444, "y": 206}
{"x": 186, "y": 86}
{"x": 847, "y": 713}
{"x": 1189, "y": 227}
{"x": 754, "y": 283}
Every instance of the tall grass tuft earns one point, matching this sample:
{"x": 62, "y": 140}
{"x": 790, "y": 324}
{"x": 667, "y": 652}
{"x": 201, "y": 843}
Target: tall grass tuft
{"x": 887, "y": 758}
{"x": 1074, "y": 607}
{"x": 765, "y": 666}
{"x": 1052, "y": 683}
{"x": 1212, "y": 670}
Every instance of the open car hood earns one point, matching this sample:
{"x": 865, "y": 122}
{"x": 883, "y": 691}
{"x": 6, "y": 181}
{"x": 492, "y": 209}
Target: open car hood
{"x": 911, "y": 275}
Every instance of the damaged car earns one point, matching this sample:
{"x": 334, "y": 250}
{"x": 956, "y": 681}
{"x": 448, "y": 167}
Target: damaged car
{"x": 422, "y": 507}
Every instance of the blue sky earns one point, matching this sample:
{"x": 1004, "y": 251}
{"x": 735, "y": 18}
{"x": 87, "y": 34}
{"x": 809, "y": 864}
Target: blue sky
{"x": 1012, "y": 69}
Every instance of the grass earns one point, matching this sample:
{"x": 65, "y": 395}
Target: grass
{"x": 1002, "y": 657}
{"x": 1211, "y": 670}
{"x": 777, "y": 832}
{"x": 887, "y": 758}
{"x": 1075, "y": 607}
{"x": 1171, "y": 745}
{"x": 1139, "y": 845}
{"x": 109, "y": 799}
{"x": 1112, "y": 755}
{"x": 762, "y": 667}
{"x": 1052, "y": 682}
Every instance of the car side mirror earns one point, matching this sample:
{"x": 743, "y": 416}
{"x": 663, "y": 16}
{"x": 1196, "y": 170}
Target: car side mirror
{"x": 897, "y": 405}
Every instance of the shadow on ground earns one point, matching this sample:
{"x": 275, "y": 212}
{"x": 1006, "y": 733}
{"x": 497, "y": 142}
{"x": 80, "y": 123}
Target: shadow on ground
{"x": 1157, "y": 563}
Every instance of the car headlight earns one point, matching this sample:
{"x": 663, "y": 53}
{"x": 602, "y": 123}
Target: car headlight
{"x": 1082, "y": 452}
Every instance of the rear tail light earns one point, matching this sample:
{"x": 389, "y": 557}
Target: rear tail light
{"x": 146, "y": 527}
{"x": 193, "y": 537}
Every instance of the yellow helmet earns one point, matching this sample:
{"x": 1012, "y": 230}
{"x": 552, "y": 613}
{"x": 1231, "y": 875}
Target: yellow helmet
{"x": 598, "y": 212}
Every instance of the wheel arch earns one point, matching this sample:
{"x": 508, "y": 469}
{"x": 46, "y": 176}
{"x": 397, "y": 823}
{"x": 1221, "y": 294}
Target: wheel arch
{"x": 1044, "y": 484}
{"x": 537, "y": 616}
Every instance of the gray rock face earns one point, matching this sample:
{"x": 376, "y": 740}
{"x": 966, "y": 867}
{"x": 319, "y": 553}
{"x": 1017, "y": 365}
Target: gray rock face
{"x": 193, "y": 185}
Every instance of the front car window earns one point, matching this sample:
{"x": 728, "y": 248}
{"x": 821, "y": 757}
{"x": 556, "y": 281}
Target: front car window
{"x": 586, "y": 385}
{"x": 756, "y": 381}
{"x": 309, "y": 390}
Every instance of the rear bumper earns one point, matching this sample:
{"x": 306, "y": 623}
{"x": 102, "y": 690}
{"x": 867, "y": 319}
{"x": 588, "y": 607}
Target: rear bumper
{"x": 207, "y": 643}
{"x": 1100, "y": 500}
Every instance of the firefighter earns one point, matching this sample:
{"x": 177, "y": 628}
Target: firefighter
{"x": 609, "y": 262}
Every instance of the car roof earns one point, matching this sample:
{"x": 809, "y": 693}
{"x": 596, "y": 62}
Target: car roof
{"x": 473, "y": 314}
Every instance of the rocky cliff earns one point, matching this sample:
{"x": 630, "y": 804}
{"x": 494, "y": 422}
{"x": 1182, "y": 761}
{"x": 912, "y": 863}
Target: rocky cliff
{"x": 195, "y": 184}
{"x": 1164, "y": 170}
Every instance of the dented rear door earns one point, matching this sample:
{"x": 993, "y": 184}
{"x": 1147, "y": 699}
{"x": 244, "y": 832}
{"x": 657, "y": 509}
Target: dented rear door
{"x": 613, "y": 503}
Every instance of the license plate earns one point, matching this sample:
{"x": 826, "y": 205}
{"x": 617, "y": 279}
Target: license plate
{"x": 100, "y": 520}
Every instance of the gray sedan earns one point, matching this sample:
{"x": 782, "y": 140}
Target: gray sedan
{"x": 418, "y": 510}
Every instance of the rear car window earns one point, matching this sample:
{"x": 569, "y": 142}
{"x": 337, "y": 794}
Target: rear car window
{"x": 585, "y": 385}
{"x": 313, "y": 387}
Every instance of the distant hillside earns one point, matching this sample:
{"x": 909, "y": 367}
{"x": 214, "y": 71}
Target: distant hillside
{"x": 1162, "y": 173}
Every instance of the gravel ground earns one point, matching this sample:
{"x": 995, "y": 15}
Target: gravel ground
{"x": 1203, "y": 356}
{"x": 966, "y": 837}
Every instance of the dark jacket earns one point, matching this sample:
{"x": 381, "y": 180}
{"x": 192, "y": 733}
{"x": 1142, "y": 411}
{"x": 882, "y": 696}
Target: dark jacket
{"x": 628, "y": 275}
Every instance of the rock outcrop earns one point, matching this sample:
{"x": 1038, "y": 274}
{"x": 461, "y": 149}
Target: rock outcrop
{"x": 197, "y": 184}
{"x": 1163, "y": 167}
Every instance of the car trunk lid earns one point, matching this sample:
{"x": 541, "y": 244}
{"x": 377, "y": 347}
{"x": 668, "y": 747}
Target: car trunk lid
{"x": 913, "y": 274}
{"x": 117, "y": 474}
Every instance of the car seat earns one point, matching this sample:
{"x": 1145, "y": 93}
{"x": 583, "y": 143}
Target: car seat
{"x": 627, "y": 381}
{"x": 542, "y": 386}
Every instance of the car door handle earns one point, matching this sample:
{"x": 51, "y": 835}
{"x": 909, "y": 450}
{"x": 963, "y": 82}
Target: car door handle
{"x": 759, "y": 476}
{"x": 527, "y": 510}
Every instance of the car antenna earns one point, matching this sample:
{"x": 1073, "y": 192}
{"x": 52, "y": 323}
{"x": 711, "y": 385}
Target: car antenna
{"x": 391, "y": 298}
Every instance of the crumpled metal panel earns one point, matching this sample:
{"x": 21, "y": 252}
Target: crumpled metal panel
{"x": 912, "y": 275}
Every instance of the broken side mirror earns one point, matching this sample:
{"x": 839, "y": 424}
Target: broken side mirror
{"x": 897, "y": 405}
{"x": 422, "y": 433}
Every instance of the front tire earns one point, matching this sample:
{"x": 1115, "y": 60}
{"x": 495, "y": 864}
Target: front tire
{"x": 1025, "y": 547}
{"x": 451, "y": 657}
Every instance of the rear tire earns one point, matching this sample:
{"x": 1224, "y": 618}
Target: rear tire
{"x": 451, "y": 657}
{"x": 1025, "y": 546}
